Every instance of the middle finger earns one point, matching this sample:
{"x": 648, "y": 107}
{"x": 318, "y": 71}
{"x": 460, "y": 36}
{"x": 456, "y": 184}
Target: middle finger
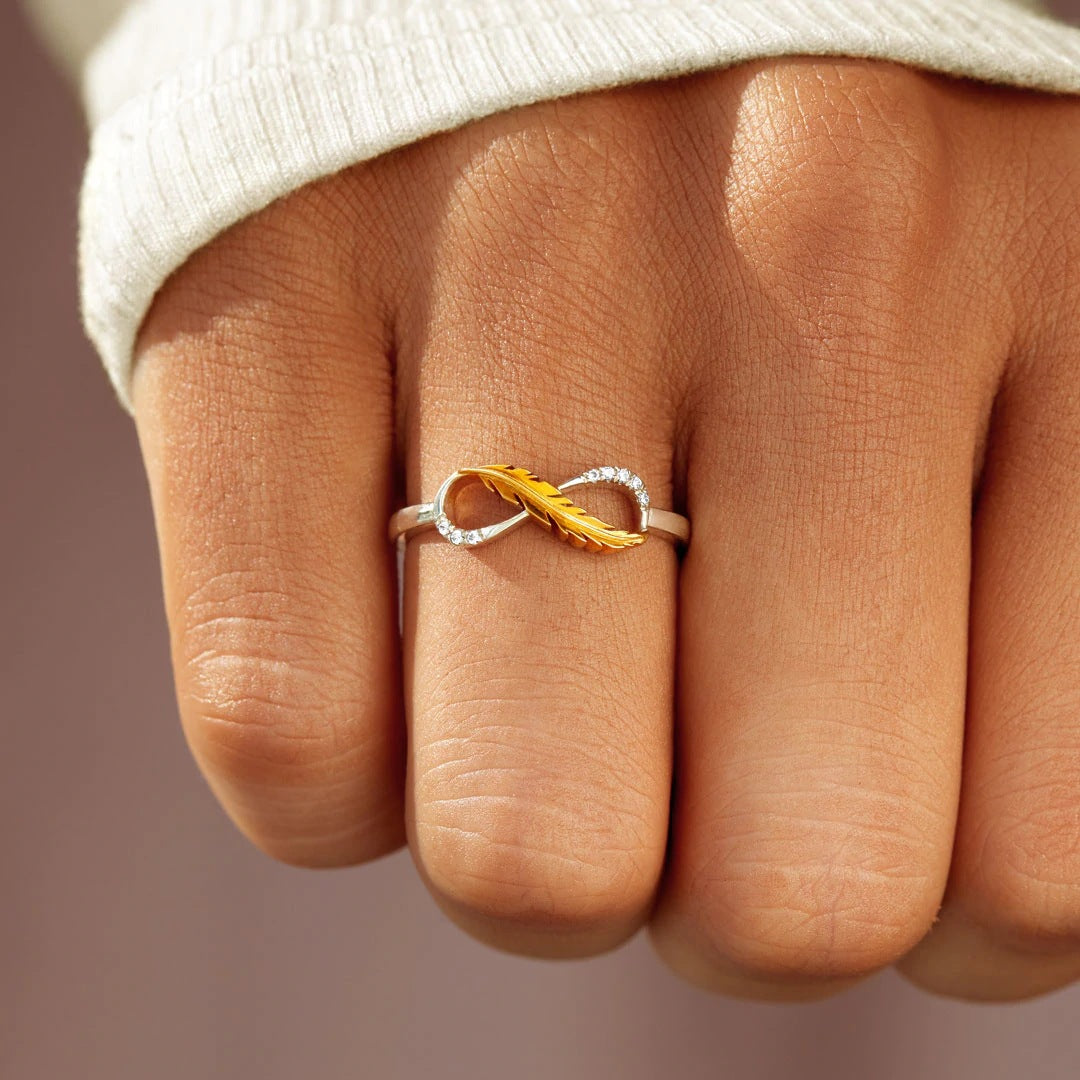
{"x": 539, "y": 677}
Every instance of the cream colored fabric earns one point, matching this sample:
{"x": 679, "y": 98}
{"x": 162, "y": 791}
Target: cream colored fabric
{"x": 204, "y": 111}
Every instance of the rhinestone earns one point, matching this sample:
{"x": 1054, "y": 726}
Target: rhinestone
{"x": 607, "y": 473}
{"x": 457, "y": 537}
{"x": 624, "y": 476}
{"x": 592, "y": 475}
{"x": 643, "y": 498}
{"x": 442, "y": 523}
{"x": 636, "y": 483}
{"x": 473, "y": 537}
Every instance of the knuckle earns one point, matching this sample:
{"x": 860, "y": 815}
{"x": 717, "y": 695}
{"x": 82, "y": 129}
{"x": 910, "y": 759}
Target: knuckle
{"x": 850, "y": 176}
{"x": 506, "y": 837}
{"x": 549, "y": 234}
{"x": 534, "y": 882}
{"x": 582, "y": 152}
{"x": 317, "y": 842}
{"x": 262, "y": 720}
{"x": 1026, "y": 887}
{"x": 1047, "y": 217}
{"x": 855, "y": 901}
{"x": 550, "y": 193}
{"x": 271, "y": 696}
{"x": 287, "y": 757}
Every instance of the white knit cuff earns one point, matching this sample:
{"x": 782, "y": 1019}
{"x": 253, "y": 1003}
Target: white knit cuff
{"x": 207, "y": 110}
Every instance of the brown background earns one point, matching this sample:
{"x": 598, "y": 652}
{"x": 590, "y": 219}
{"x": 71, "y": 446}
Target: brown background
{"x": 143, "y": 939}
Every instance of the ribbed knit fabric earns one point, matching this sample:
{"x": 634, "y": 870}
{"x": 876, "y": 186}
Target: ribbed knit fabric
{"x": 204, "y": 111}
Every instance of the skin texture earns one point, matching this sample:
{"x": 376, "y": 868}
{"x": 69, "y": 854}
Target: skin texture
{"x": 826, "y": 308}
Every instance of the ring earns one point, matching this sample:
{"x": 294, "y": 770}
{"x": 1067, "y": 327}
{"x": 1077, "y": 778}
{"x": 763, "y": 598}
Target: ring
{"x": 547, "y": 505}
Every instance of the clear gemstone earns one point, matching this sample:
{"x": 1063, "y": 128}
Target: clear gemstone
{"x": 473, "y": 537}
{"x": 592, "y": 475}
{"x": 624, "y": 476}
{"x": 442, "y": 523}
{"x": 607, "y": 473}
{"x": 643, "y": 498}
{"x": 457, "y": 537}
{"x": 636, "y": 483}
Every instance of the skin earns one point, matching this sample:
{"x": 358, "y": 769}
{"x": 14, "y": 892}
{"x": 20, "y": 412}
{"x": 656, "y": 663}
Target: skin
{"x": 826, "y": 308}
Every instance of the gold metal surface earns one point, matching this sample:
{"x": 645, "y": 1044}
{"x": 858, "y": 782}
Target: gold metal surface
{"x": 547, "y": 505}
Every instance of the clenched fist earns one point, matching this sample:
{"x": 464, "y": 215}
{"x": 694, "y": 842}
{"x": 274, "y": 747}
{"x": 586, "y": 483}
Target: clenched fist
{"x": 827, "y": 309}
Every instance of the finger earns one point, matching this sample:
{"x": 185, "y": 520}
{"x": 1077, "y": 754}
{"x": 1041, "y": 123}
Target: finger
{"x": 539, "y": 676}
{"x": 821, "y": 708}
{"x": 263, "y": 404}
{"x": 824, "y": 596}
{"x": 1010, "y": 925}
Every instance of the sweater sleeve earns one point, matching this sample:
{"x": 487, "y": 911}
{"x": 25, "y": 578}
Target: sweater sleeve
{"x": 204, "y": 111}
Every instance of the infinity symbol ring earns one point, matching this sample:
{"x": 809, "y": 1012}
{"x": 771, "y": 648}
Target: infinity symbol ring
{"x": 545, "y": 504}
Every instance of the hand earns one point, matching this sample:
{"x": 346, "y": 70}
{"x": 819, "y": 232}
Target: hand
{"x": 824, "y": 307}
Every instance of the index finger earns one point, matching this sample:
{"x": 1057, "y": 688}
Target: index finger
{"x": 263, "y": 404}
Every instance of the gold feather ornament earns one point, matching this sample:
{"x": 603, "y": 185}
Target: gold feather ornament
{"x": 547, "y": 505}
{"x": 550, "y": 507}
{"x": 544, "y": 503}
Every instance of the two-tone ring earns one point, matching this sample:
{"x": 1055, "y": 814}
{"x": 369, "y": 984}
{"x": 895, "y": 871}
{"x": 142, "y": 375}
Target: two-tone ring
{"x": 545, "y": 504}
